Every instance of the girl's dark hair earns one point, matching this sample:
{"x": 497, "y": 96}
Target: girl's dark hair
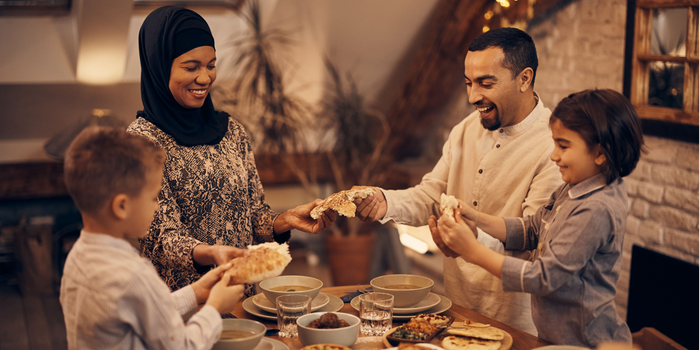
{"x": 605, "y": 117}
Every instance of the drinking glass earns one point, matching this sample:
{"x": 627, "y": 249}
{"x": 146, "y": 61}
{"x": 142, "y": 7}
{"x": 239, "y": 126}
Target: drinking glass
{"x": 376, "y": 312}
{"x": 289, "y": 309}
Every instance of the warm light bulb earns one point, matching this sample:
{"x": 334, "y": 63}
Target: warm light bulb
{"x": 485, "y": 29}
{"x": 488, "y": 14}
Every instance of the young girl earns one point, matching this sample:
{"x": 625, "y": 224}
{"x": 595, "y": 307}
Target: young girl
{"x": 576, "y": 238}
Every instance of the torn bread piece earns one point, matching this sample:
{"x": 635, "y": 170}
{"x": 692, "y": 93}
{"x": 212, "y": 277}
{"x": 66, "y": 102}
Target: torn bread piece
{"x": 488, "y": 333}
{"x": 263, "y": 261}
{"x": 453, "y": 342}
{"x": 448, "y": 204}
{"x": 342, "y": 202}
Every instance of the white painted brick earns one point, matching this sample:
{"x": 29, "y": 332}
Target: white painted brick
{"x": 640, "y": 208}
{"x": 682, "y": 199}
{"x": 660, "y": 151}
{"x": 674, "y": 218}
{"x": 684, "y": 242}
{"x": 632, "y": 225}
{"x": 651, "y": 232}
{"x": 651, "y": 192}
{"x": 642, "y": 171}
{"x": 631, "y": 185}
{"x": 675, "y": 177}
{"x": 687, "y": 156}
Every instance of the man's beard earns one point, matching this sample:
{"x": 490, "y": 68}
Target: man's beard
{"x": 491, "y": 125}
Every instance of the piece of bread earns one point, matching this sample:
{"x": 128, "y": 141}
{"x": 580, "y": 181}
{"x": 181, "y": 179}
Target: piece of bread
{"x": 263, "y": 261}
{"x": 342, "y": 202}
{"x": 454, "y": 342}
{"x": 448, "y": 204}
{"x": 487, "y": 333}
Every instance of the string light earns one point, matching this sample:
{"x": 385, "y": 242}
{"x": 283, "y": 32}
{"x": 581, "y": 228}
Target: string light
{"x": 485, "y": 29}
{"x": 503, "y": 3}
{"x": 488, "y": 14}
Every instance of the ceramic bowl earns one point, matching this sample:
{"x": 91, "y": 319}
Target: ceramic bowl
{"x": 406, "y": 289}
{"x": 270, "y": 286}
{"x": 345, "y": 336}
{"x": 256, "y": 328}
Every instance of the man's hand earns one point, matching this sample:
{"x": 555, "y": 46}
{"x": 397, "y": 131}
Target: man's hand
{"x": 372, "y": 208}
{"x": 224, "y": 297}
{"x": 300, "y": 219}
{"x": 456, "y": 233}
{"x": 435, "y": 232}
{"x": 202, "y": 287}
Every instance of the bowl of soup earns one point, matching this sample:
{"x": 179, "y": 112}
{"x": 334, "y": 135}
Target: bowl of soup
{"x": 406, "y": 289}
{"x": 318, "y": 328}
{"x": 282, "y": 285}
{"x": 240, "y": 334}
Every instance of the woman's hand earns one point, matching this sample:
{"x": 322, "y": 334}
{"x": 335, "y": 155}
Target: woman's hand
{"x": 203, "y": 286}
{"x": 224, "y": 297}
{"x": 300, "y": 218}
{"x": 435, "y": 232}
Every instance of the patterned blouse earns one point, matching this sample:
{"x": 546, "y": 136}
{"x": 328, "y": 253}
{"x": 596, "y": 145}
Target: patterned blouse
{"x": 211, "y": 194}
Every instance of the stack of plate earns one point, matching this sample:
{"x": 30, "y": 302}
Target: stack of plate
{"x": 261, "y": 307}
{"x": 431, "y": 304}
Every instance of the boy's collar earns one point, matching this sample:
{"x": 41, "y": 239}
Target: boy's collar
{"x": 105, "y": 239}
{"x": 587, "y": 186}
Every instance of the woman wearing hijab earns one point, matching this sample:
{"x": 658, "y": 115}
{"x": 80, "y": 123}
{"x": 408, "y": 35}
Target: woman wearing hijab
{"x": 212, "y": 202}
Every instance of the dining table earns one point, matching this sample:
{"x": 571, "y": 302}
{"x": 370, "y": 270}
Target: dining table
{"x": 521, "y": 340}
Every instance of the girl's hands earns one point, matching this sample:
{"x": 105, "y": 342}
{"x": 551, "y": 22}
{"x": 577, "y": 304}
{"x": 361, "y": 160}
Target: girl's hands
{"x": 224, "y": 297}
{"x": 435, "y": 232}
{"x": 458, "y": 234}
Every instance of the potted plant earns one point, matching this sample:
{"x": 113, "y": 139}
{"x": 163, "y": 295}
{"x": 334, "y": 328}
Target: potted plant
{"x": 361, "y": 135}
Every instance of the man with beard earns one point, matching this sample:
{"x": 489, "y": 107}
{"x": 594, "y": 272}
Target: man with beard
{"x": 496, "y": 160}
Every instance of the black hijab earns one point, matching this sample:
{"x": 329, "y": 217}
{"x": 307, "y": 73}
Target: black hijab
{"x": 167, "y": 33}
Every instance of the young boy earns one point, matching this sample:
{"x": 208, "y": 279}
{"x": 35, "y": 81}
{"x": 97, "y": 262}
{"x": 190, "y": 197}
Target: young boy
{"x": 111, "y": 297}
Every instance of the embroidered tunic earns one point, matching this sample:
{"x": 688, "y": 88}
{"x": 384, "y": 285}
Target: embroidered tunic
{"x": 211, "y": 194}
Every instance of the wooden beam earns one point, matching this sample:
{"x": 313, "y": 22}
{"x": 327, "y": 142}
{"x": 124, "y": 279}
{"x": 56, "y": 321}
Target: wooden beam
{"x": 435, "y": 73}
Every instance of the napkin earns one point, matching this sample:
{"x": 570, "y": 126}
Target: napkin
{"x": 347, "y": 298}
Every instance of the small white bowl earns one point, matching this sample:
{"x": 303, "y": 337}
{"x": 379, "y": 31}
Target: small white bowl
{"x": 248, "y": 343}
{"x": 267, "y": 286}
{"x": 403, "y": 297}
{"x": 344, "y": 336}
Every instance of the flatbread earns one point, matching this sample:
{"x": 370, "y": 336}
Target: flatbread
{"x": 488, "y": 333}
{"x": 263, "y": 261}
{"x": 448, "y": 204}
{"x": 454, "y": 342}
{"x": 342, "y": 202}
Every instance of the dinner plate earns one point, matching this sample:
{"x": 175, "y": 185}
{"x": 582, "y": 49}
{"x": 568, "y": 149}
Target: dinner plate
{"x": 424, "y": 345}
{"x": 334, "y": 304}
{"x": 261, "y": 301}
{"x": 443, "y": 305}
{"x": 561, "y": 347}
{"x": 429, "y": 301}
{"x": 271, "y": 344}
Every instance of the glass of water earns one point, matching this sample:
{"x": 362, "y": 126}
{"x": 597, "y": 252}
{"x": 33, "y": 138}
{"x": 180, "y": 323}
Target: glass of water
{"x": 289, "y": 309}
{"x": 376, "y": 312}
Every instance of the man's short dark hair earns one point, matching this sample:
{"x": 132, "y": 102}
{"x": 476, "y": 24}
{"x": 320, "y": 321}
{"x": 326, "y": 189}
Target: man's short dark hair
{"x": 518, "y": 49}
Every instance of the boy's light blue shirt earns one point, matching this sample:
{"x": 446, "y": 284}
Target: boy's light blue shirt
{"x": 578, "y": 235}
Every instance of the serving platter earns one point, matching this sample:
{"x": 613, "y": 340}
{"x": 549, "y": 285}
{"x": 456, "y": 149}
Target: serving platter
{"x": 261, "y": 301}
{"x": 334, "y": 304}
{"x": 436, "y": 342}
{"x": 443, "y": 305}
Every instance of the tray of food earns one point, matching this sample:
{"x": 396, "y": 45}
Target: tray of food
{"x": 420, "y": 329}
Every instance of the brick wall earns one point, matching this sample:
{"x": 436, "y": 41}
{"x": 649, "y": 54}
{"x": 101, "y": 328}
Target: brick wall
{"x": 581, "y": 47}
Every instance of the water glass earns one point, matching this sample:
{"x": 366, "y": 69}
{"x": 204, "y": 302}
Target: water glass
{"x": 376, "y": 313}
{"x": 289, "y": 309}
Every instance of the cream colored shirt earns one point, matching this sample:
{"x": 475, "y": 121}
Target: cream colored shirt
{"x": 505, "y": 172}
{"x": 114, "y": 299}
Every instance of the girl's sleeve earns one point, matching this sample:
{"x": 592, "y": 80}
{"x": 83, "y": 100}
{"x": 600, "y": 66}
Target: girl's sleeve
{"x": 578, "y": 239}
{"x": 523, "y": 233}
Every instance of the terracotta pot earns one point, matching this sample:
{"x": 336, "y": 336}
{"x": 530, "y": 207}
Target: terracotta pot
{"x": 349, "y": 258}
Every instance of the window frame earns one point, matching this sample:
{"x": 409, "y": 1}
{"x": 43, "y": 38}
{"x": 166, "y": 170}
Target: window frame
{"x": 638, "y": 59}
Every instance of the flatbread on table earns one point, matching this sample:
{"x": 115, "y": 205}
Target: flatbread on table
{"x": 487, "y": 333}
{"x": 342, "y": 202}
{"x": 454, "y": 342}
{"x": 263, "y": 261}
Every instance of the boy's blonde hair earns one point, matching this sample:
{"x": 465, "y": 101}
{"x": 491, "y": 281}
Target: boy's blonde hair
{"x": 102, "y": 162}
